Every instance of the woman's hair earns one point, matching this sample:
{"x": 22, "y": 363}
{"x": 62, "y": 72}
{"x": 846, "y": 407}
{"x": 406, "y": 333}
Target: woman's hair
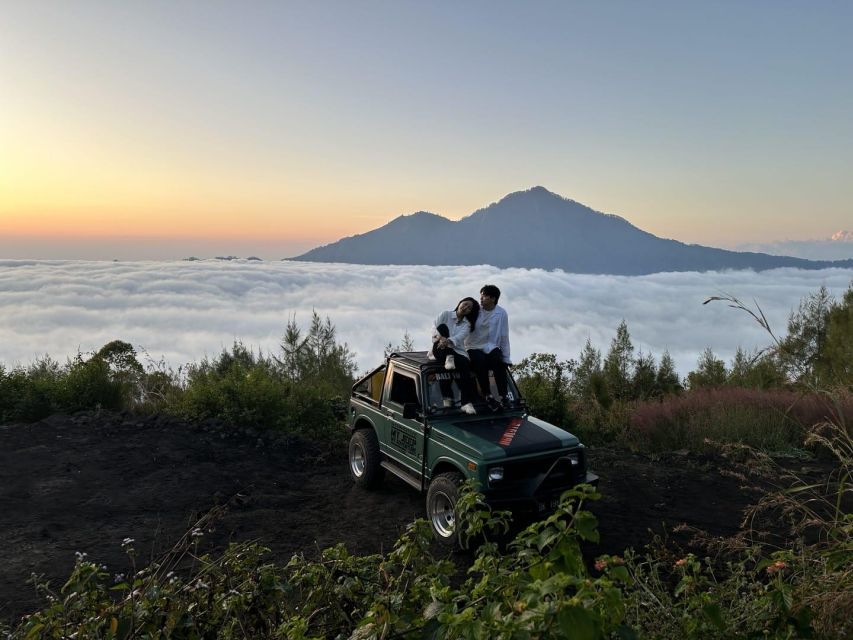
{"x": 473, "y": 314}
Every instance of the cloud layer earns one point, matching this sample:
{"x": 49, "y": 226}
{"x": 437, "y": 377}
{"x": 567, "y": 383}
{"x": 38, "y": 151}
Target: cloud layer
{"x": 182, "y": 311}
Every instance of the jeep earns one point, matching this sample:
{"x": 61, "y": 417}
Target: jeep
{"x": 405, "y": 419}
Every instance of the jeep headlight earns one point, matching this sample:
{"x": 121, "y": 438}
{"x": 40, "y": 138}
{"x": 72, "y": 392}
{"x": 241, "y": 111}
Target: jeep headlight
{"x": 574, "y": 458}
{"x": 496, "y": 474}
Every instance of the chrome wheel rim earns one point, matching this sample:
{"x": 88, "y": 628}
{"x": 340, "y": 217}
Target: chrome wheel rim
{"x": 442, "y": 515}
{"x": 356, "y": 459}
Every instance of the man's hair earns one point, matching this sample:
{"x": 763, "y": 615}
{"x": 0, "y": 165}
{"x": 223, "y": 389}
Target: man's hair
{"x": 492, "y": 291}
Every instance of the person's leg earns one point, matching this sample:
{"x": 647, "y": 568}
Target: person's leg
{"x": 481, "y": 370}
{"x": 496, "y": 364}
{"x": 466, "y": 384}
{"x": 446, "y": 386}
{"x": 447, "y": 358}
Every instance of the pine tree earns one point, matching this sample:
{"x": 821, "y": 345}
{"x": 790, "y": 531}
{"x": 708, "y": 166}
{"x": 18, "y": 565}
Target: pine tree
{"x": 710, "y": 371}
{"x": 740, "y": 369}
{"x": 644, "y": 382}
{"x": 834, "y": 364}
{"x": 316, "y": 358}
{"x": 807, "y": 327}
{"x": 667, "y": 380}
{"x": 292, "y": 348}
{"x": 589, "y": 366}
{"x": 407, "y": 344}
{"x": 619, "y": 363}
{"x": 755, "y": 371}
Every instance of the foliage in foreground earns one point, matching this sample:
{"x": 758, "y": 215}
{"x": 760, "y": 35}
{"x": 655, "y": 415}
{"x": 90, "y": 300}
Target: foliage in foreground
{"x": 537, "y": 587}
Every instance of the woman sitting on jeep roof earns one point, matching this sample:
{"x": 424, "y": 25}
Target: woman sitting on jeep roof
{"x": 448, "y": 346}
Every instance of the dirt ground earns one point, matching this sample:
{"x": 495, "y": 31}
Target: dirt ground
{"x": 84, "y": 483}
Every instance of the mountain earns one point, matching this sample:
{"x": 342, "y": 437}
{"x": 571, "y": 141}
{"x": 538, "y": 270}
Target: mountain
{"x": 540, "y": 229}
{"x": 838, "y": 246}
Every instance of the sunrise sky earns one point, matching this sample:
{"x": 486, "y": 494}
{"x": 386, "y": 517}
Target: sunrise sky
{"x": 163, "y": 129}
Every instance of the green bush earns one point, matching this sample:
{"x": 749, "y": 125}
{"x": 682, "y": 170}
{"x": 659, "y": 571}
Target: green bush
{"x": 27, "y": 395}
{"x": 237, "y": 387}
{"x": 539, "y": 588}
{"x": 242, "y": 389}
{"x": 299, "y": 393}
{"x": 91, "y": 384}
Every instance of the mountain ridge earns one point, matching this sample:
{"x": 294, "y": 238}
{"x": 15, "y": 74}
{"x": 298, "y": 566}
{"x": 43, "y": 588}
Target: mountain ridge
{"x": 537, "y": 228}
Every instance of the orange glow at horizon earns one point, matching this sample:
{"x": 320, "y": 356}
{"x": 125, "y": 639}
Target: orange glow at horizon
{"x": 66, "y": 180}
{"x": 100, "y": 224}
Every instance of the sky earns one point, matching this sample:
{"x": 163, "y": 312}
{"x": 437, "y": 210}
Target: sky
{"x": 159, "y": 130}
{"x": 178, "y": 312}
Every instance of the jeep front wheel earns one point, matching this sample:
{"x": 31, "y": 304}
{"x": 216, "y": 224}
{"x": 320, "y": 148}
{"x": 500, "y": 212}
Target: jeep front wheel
{"x": 441, "y": 507}
{"x": 365, "y": 459}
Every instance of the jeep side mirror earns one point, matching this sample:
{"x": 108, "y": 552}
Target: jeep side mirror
{"x": 410, "y": 411}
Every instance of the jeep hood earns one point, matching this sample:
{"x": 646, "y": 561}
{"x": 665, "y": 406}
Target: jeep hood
{"x": 510, "y": 436}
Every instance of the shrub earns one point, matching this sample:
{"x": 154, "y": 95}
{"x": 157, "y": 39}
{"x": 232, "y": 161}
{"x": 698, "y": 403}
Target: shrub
{"x": 544, "y": 383}
{"x": 541, "y": 589}
{"x": 91, "y": 384}
{"x": 769, "y": 420}
{"x": 243, "y": 389}
{"x": 27, "y": 396}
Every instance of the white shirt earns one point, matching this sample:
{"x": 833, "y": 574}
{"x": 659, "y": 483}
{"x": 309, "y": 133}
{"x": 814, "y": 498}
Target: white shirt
{"x": 459, "y": 330}
{"x": 491, "y": 332}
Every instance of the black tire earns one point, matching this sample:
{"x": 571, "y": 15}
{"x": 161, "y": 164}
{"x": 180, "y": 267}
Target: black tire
{"x": 364, "y": 459}
{"x": 441, "y": 507}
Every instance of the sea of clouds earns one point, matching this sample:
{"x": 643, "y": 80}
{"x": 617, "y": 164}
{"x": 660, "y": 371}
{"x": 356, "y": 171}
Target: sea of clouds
{"x": 182, "y": 311}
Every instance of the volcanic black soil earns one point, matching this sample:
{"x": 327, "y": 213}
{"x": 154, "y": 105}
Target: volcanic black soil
{"x": 84, "y": 483}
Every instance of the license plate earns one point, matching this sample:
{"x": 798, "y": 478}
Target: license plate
{"x": 551, "y": 505}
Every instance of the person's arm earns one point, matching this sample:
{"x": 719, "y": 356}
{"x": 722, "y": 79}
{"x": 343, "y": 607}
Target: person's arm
{"x": 503, "y": 338}
{"x": 458, "y": 333}
{"x": 438, "y": 321}
{"x": 445, "y": 318}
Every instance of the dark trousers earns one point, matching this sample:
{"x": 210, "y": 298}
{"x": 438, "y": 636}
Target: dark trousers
{"x": 463, "y": 368}
{"x": 482, "y": 362}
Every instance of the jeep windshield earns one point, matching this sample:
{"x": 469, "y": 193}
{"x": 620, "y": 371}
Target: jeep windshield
{"x": 448, "y": 400}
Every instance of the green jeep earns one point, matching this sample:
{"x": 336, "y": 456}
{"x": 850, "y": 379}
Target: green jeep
{"x": 402, "y": 422}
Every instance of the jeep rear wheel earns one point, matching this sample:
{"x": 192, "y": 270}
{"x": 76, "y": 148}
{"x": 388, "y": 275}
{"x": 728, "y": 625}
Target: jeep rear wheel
{"x": 441, "y": 507}
{"x": 365, "y": 459}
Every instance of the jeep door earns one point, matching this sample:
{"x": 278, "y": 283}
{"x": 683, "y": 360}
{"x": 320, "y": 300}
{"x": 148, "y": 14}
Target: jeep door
{"x": 403, "y": 437}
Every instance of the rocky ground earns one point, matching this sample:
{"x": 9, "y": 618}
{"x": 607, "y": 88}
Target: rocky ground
{"x": 84, "y": 483}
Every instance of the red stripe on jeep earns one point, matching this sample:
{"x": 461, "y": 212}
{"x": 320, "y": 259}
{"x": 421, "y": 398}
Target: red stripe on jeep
{"x": 509, "y": 434}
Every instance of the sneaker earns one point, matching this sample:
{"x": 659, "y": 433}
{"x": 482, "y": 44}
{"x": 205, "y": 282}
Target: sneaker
{"x": 449, "y": 363}
{"x": 469, "y": 409}
{"x": 447, "y": 402}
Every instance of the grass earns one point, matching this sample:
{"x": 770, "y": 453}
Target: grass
{"x": 770, "y": 420}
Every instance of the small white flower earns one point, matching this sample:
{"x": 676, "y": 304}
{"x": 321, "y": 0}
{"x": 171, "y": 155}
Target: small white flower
{"x": 127, "y": 542}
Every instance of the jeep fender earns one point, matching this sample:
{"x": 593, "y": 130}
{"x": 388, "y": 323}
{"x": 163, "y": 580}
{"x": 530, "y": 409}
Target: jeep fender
{"x": 443, "y": 465}
{"x": 362, "y": 422}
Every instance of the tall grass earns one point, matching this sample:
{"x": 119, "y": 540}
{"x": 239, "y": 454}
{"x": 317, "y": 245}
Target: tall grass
{"x": 770, "y": 420}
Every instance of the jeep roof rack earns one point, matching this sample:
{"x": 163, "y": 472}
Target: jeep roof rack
{"x": 416, "y": 358}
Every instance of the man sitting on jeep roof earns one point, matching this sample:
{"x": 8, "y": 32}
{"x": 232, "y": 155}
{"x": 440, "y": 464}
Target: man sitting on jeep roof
{"x": 488, "y": 344}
